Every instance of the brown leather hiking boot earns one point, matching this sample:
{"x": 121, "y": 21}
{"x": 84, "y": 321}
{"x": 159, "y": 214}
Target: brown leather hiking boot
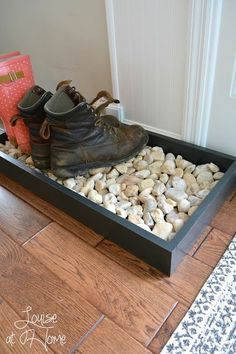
{"x": 31, "y": 109}
{"x": 80, "y": 139}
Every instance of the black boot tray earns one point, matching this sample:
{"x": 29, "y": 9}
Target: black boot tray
{"x": 161, "y": 254}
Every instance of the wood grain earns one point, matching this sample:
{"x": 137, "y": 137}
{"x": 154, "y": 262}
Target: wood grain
{"x": 55, "y": 214}
{"x": 233, "y": 200}
{"x": 225, "y": 219}
{"x": 178, "y": 285}
{"x": 130, "y": 301}
{"x": 18, "y": 219}
{"x": 24, "y": 282}
{"x": 212, "y": 249}
{"x": 108, "y": 338}
{"x": 7, "y": 327}
{"x": 163, "y": 335}
{"x": 200, "y": 240}
{"x": 231, "y": 195}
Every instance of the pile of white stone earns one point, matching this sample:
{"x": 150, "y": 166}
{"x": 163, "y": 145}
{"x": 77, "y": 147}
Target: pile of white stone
{"x": 155, "y": 191}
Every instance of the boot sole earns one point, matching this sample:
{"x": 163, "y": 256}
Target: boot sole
{"x": 84, "y": 168}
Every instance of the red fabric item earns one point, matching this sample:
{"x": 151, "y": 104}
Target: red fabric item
{"x": 11, "y": 93}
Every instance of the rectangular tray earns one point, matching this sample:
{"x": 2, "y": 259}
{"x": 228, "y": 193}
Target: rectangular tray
{"x": 161, "y": 254}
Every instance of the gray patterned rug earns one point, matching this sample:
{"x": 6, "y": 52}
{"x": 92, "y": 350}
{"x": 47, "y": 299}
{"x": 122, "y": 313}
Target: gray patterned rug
{"x": 209, "y": 327}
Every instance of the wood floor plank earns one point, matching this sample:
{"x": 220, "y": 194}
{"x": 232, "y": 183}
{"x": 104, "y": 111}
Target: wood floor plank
{"x": 24, "y": 282}
{"x": 212, "y": 249}
{"x": 231, "y": 195}
{"x": 200, "y": 240}
{"x": 108, "y": 338}
{"x": 18, "y": 219}
{"x": 55, "y": 214}
{"x": 177, "y": 285}
{"x": 130, "y": 301}
{"x": 163, "y": 335}
{"x": 225, "y": 219}
{"x": 10, "y": 335}
{"x": 233, "y": 200}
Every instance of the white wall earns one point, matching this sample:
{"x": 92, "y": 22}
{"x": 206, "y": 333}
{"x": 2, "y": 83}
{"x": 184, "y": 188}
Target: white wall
{"x": 65, "y": 39}
{"x": 151, "y": 43}
{"x": 222, "y": 127}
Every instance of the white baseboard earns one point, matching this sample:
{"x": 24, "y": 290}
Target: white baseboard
{"x": 154, "y": 129}
{"x": 118, "y": 111}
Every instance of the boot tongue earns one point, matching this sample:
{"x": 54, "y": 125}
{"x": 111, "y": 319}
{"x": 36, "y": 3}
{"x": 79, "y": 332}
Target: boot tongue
{"x": 37, "y": 90}
{"x": 31, "y": 97}
{"x": 74, "y": 96}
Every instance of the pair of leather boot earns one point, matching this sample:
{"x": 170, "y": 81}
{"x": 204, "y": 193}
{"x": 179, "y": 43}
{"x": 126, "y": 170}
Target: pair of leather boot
{"x": 70, "y": 136}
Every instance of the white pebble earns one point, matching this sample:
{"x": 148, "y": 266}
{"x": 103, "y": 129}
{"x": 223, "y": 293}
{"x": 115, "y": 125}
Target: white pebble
{"x": 150, "y": 204}
{"x": 145, "y": 227}
{"x": 157, "y": 215}
{"x": 124, "y": 204}
{"x": 170, "y": 156}
{"x": 88, "y": 186}
{"x": 115, "y": 188}
{"x": 121, "y": 212}
{"x": 113, "y": 174}
{"x": 158, "y": 155}
{"x": 159, "y": 188}
{"x": 146, "y": 183}
{"x": 164, "y": 178}
{"x": 203, "y": 193}
{"x": 168, "y": 167}
{"x": 109, "y": 198}
{"x": 100, "y": 185}
{"x": 148, "y": 158}
{"x": 128, "y": 179}
{"x": 141, "y": 165}
{"x": 163, "y": 205}
{"x": 95, "y": 197}
{"x": 69, "y": 183}
{"x": 214, "y": 168}
{"x": 148, "y": 220}
{"x": 110, "y": 207}
{"x": 218, "y": 175}
{"x": 155, "y": 167}
{"x": 184, "y": 205}
{"x": 122, "y": 168}
{"x": 162, "y": 229}
{"x": 176, "y": 194}
{"x": 142, "y": 174}
{"x": 171, "y": 217}
{"x": 97, "y": 176}
{"x": 131, "y": 191}
{"x": 205, "y": 176}
{"x": 178, "y": 223}
{"x": 179, "y": 172}
{"x": 145, "y": 192}
{"x": 136, "y": 210}
{"x": 179, "y": 183}
{"x": 135, "y": 219}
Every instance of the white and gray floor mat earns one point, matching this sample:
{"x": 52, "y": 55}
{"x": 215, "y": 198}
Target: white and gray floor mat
{"x": 209, "y": 327}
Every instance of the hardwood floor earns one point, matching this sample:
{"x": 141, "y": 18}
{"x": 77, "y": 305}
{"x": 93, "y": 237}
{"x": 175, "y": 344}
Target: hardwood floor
{"x": 101, "y": 299}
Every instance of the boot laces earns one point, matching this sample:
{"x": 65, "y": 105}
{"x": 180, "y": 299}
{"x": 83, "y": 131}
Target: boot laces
{"x": 75, "y": 95}
{"x": 100, "y": 121}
